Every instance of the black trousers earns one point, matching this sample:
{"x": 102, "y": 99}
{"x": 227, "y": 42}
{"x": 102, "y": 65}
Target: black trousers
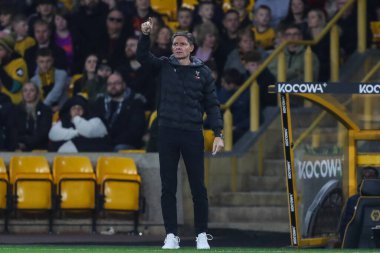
{"x": 173, "y": 142}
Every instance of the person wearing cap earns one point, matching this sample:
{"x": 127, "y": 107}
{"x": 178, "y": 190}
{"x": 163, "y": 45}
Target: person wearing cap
{"x": 77, "y": 131}
{"x": 13, "y": 70}
{"x": 187, "y": 90}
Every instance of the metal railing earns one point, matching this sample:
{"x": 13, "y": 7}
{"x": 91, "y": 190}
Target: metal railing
{"x": 279, "y": 53}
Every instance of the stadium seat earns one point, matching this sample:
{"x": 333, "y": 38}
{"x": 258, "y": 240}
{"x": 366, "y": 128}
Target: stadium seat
{"x": 165, "y": 7}
{"x": 360, "y": 230}
{"x": 119, "y": 184}
{"x": 32, "y": 184}
{"x": 76, "y": 184}
{"x": 4, "y": 193}
{"x": 189, "y": 4}
{"x": 73, "y": 79}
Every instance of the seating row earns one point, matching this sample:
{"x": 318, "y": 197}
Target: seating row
{"x": 72, "y": 184}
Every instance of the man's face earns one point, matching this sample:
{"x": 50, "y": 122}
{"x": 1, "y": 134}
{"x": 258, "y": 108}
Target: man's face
{"x": 231, "y": 22}
{"x": 115, "y": 21}
{"x": 41, "y": 33}
{"x": 238, "y": 4}
{"x": 292, "y": 34}
{"x": 131, "y": 48}
{"x": 251, "y": 66}
{"x": 29, "y": 93}
{"x": 206, "y": 11}
{"x": 115, "y": 86}
{"x": 263, "y": 17}
{"x": 5, "y": 19}
{"x": 246, "y": 43}
{"x": 184, "y": 19}
{"x": 21, "y": 28}
{"x": 45, "y": 9}
{"x": 181, "y": 47}
{"x": 45, "y": 63}
{"x": 76, "y": 110}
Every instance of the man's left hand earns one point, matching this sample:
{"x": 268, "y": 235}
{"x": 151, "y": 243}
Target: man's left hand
{"x": 218, "y": 145}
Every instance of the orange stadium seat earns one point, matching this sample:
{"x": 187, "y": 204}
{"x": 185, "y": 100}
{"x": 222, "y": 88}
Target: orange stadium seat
{"x": 32, "y": 184}
{"x": 4, "y": 192}
{"x": 165, "y": 7}
{"x": 119, "y": 184}
{"x": 76, "y": 184}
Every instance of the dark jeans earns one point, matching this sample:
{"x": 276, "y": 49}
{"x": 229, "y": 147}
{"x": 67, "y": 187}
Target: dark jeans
{"x": 173, "y": 142}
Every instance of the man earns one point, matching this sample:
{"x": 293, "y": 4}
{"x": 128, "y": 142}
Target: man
{"x": 45, "y": 10}
{"x": 53, "y": 82}
{"x": 295, "y": 57}
{"x": 135, "y": 74}
{"x": 122, "y": 111}
{"x": 42, "y": 34}
{"x": 186, "y": 91}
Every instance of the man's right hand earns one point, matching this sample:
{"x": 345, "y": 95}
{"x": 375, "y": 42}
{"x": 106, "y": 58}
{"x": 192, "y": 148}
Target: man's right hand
{"x": 147, "y": 26}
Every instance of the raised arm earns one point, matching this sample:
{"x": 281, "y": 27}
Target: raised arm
{"x": 144, "y": 56}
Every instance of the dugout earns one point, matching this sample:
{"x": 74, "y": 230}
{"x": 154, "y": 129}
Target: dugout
{"x": 330, "y": 131}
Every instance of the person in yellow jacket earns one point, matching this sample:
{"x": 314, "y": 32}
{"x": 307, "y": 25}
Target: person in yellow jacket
{"x": 13, "y": 70}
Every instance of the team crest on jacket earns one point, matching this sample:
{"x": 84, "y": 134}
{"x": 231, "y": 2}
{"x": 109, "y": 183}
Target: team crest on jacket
{"x": 197, "y": 75}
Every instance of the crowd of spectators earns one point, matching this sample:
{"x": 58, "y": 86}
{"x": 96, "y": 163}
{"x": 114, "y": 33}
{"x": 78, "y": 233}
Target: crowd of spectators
{"x": 76, "y": 59}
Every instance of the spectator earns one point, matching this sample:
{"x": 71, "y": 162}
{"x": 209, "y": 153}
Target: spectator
{"x": 33, "y": 120}
{"x": 6, "y": 15}
{"x": 348, "y": 24}
{"x": 64, "y": 38}
{"x": 104, "y": 70}
{"x": 246, "y": 44}
{"x": 185, "y": 19}
{"x": 45, "y": 10}
{"x": 279, "y": 9}
{"x": 76, "y": 131}
{"x": 349, "y": 209}
{"x": 162, "y": 44}
{"x": 241, "y": 7}
{"x": 6, "y": 124}
{"x": 316, "y": 21}
{"x": 232, "y": 79}
{"x": 229, "y": 37}
{"x": 207, "y": 40}
{"x": 294, "y": 55}
{"x": 111, "y": 46}
{"x": 143, "y": 10}
{"x": 205, "y": 12}
{"x": 264, "y": 33}
{"x": 90, "y": 83}
{"x": 23, "y": 40}
{"x": 252, "y": 62}
{"x": 52, "y": 81}
{"x": 134, "y": 74}
{"x": 297, "y": 14}
{"x": 122, "y": 111}
{"x": 13, "y": 70}
{"x": 42, "y": 34}
{"x": 90, "y": 26}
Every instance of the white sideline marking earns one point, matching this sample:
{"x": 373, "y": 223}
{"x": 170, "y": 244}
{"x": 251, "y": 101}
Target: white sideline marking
{"x": 134, "y": 249}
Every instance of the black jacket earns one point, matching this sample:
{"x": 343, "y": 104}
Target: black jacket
{"x": 126, "y": 124}
{"x": 33, "y": 133}
{"x": 185, "y": 91}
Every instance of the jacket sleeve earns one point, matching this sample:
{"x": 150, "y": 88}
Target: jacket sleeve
{"x": 212, "y": 106}
{"x": 92, "y": 128}
{"x": 59, "y": 133}
{"x": 144, "y": 56}
{"x": 58, "y": 89}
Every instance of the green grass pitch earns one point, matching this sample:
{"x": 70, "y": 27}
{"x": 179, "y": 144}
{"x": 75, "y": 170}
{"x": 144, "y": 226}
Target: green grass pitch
{"x": 125, "y": 249}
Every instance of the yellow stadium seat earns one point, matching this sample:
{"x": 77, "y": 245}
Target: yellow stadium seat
{"x": 4, "y": 192}
{"x": 208, "y": 136}
{"x": 119, "y": 184}
{"x": 76, "y": 184}
{"x": 132, "y": 151}
{"x": 73, "y": 79}
{"x": 165, "y": 7}
{"x": 32, "y": 184}
{"x": 189, "y": 4}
